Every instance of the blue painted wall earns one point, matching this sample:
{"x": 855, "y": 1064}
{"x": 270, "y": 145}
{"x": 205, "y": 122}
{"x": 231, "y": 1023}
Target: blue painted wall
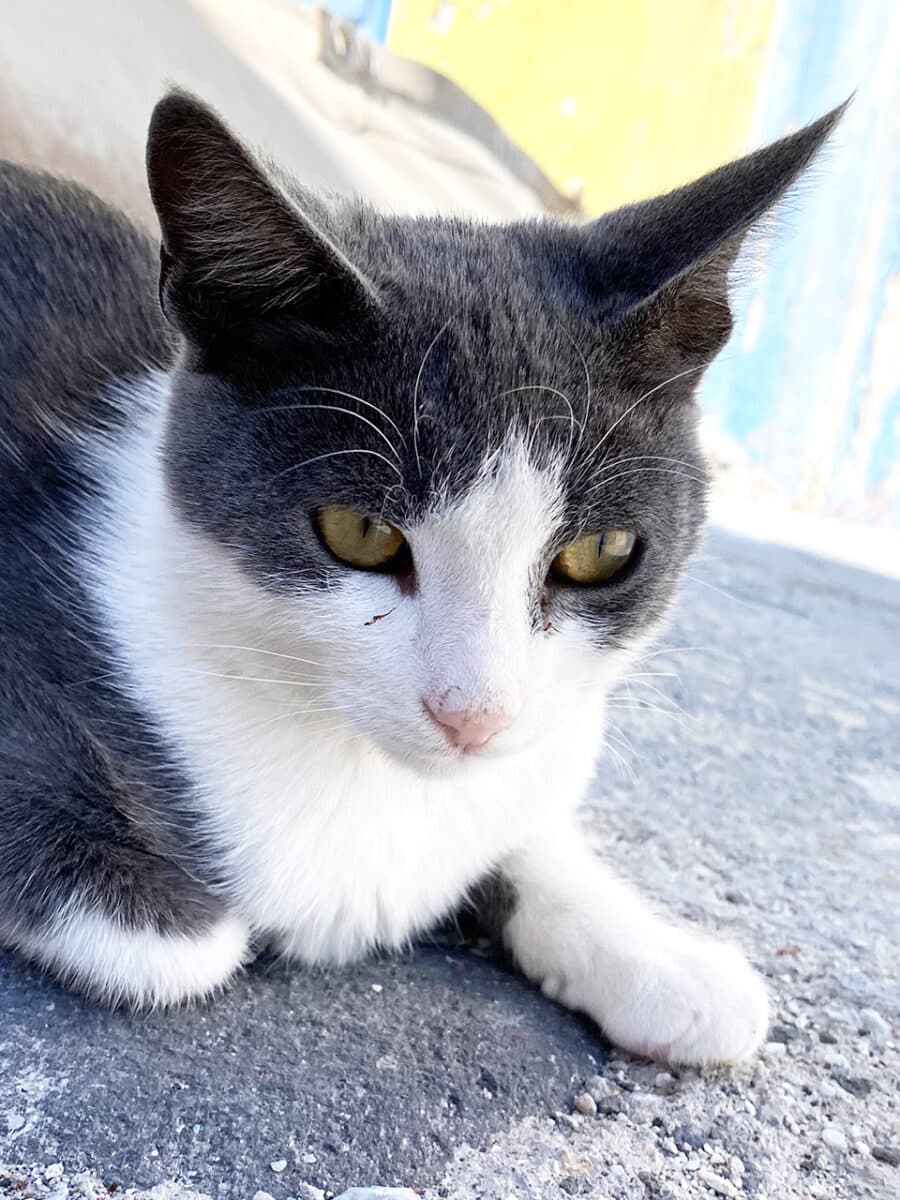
{"x": 370, "y": 16}
{"x": 818, "y": 405}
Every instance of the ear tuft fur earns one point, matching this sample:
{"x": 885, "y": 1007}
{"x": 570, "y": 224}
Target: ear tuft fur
{"x": 235, "y": 245}
{"x": 663, "y": 264}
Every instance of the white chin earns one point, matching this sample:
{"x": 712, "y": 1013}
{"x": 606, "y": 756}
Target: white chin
{"x": 424, "y": 758}
{"x": 426, "y": 761}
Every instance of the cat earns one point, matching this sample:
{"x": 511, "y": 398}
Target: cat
{"x": 325, "y": 534}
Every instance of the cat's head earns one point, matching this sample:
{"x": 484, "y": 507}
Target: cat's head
{"x": 458, "y": 459}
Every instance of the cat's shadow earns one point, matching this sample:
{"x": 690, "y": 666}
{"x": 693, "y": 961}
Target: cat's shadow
{"x": 377, "y": 1071}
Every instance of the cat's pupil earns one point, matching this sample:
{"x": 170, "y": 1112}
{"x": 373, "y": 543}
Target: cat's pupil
{"x": 366, "y": 525}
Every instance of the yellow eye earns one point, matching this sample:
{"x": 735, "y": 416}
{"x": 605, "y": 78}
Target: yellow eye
{"x": 356, "y": 539}
{"x": 597, "y": 558}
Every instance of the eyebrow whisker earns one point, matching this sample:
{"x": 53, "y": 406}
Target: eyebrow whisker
{"x": 338, "y": 409}
{"x": 431, "y": 346}
{"x": 334, "y": 454}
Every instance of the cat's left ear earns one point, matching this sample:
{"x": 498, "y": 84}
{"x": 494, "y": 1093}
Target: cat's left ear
{"x": 236, "y": 248}
{"x": 658, "y": 271}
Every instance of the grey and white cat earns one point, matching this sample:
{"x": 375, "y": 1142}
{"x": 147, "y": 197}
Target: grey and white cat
{"x": 313, "y": 587}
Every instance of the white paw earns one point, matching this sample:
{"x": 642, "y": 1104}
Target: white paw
{"x": 694, "y": 1003}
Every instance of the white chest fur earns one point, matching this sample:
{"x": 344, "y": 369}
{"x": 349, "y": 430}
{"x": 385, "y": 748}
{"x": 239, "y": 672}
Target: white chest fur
{"x": 330, "y": 844}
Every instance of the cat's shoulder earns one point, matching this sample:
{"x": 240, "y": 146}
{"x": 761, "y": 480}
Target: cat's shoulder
{"x": 78, "y": 305}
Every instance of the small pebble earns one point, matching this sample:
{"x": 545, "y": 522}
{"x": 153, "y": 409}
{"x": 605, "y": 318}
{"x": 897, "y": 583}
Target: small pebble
{"x": 263, "y": 1196}
{"x": 722, "y": 1187}
{"x": 687, "y": 1138}
{"x": 611, "y": 1107}
{"x": 586, "y": 1104}
{"x": 306, "y": 1191}
{"x": 599, "y": 1087}
{"x": 835, "y": 1059}
{"x": 856, "y": 1087}
{"x": 377, "y": 987}
{"x": 54, "y": 1171}
{"x": 377, "y": 1193}
{"x": 308, "y": 1158}
{"x": 279, "y": 1165}
{"x": 783, "y": 1033}
{"x": 835, "y": 1138}
{"x": 873, "y": 1023}
{"x": 887, "y": 1154}
{"x": 665, "y": 1083}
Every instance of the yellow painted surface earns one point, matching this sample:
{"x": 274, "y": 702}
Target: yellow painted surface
{"x": 615, "y": 100}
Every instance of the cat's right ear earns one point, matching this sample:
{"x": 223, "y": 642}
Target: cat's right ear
{"x": 658, "y": 271}
{"x": 236, "y": 249}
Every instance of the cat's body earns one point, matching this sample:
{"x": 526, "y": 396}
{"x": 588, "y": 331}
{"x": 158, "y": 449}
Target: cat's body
{"x": 325, "y": 842}
{"x": 216, "y": 732}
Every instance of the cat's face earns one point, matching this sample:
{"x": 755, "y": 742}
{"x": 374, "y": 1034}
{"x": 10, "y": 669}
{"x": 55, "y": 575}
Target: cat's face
{"x": 466, "y": 436}
{"x": 457, "y": 463}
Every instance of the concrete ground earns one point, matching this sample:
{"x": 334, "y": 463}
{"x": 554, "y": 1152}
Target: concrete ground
{"x": 759, "y": 796}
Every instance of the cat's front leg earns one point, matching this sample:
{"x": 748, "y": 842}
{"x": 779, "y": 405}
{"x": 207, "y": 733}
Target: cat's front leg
{"x": 592, "y": 943}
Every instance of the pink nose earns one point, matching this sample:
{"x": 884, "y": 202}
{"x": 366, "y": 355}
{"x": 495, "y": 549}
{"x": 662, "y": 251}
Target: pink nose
{"x": 467, "y": 729}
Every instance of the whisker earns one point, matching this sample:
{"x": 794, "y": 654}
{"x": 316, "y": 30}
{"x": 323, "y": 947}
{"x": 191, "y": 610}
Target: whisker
{"x": 638, "y": 704}
{"x": 334, "y": 454}
{"x": 612, "y": 727}
{"x": 621, "y": 462}
{"x": 304, "y": 712}
{"x": 543, "y": 387}
{"x": 347, "y": 396}
{"x": 338, "y": 409}
{"x": 388, "y": 492}
{"x": 624, "y": 705}
{"x": 646, "y": 396}
{"x": 677, "y": 650}
{"x": 642, "y": 471}
{"x": 536, "y": 387}
{"x": 614, "y": 731}
{"x": 720, "y": 591}
{"x": 253, "y": 650}
{"x": 587, "y": 377}
{"x": 431, "y": 346}
{"x": 99, "y": 678}
{"x": 669, "y": 700}
{"x": 620, "y": 759}
{"x": 249, "y": 678}
{"x": 592, "y": 685}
